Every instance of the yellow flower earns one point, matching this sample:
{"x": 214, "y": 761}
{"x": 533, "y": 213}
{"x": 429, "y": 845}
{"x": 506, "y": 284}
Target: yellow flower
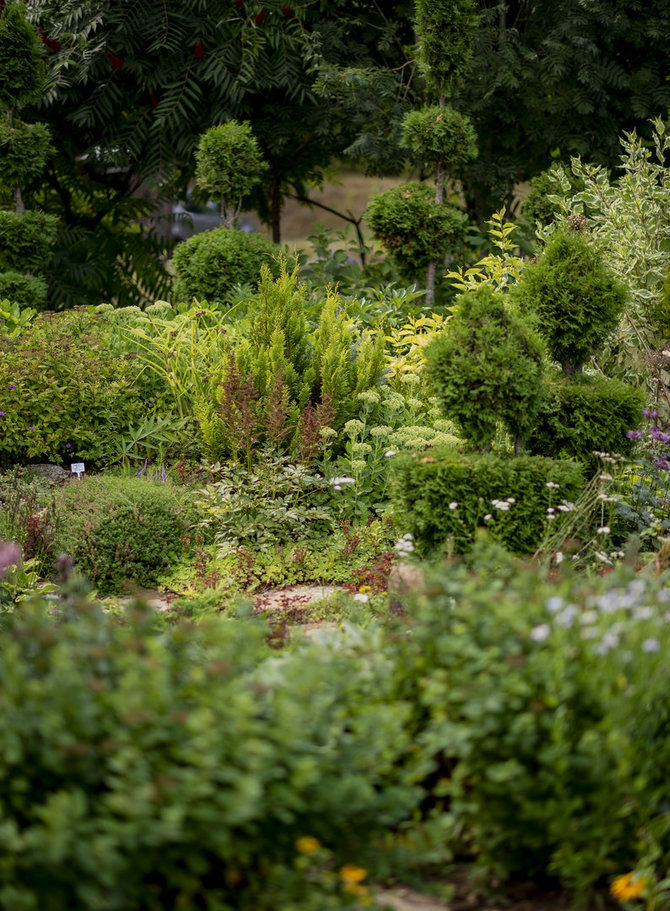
{"x": 352, "y": 875}
{"x": 364, "y": 588}
{"x": 624, "y": 888}
{"x": 308, "y": 845}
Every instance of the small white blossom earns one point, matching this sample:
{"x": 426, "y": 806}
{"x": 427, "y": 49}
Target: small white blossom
{"x": 558, "y": 558}
{"x": 651, "y": 646}
{"x": 361, "y": 597}
{"x": 554, "y": 603}
{"x": 540, "y": 633}
{"x": 642, "y": 613}
{"x": 590, "y": 632}
{"x": 567, "y": 616}
{"x": 389, "y": 453}
{"x": 338, "y": 482}
{"x": 552, "y": 485}
{"x": 511, "y": 501}
{"x": 604, "y": 530}
{"x": 453, "y": 505}
{"x": 550, "y": 509}
{"x": 588, "y": 617}
{"x": 488, "y": 517}
{"x": 602, "y": 556}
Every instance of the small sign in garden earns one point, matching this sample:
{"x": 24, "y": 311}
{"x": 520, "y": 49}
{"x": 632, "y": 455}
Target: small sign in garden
{"x": 78, "y": 468}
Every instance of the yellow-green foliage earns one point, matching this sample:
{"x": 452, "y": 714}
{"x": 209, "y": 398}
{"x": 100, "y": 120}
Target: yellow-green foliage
{"x": 497, "y": 270}
{"x": 408, "y": 345}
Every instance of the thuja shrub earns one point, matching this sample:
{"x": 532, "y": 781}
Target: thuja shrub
{"x": 575, "y": 299}
{"x": 414, "y": 229}
{"x": 446, "y": 496}
{"x": 584, "y": 414}
{"x": 543, "y": 695}
{"x": 185, "y": 768}
{"x": 209, "y": 265}
{"x": 65, "y": 392}
{"x": 121, "y": 530}
{"x": 486, "y": 366}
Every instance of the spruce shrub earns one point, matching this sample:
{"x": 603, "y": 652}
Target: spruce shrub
{"x": 486, "y": 366}
{"x": 25, "y": 239}
{"x": 23, "y": 290}
{"x": 209, "y": 265}
{"x": 120, "y": 530}
{"x": 446, "y": 496}
{"x": 575, "y": 299}
{"x": 584, "y": 414}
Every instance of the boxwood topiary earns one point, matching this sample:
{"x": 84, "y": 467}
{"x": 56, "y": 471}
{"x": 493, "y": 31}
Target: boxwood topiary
{"x": 120, "y": 530}
{"x": 208, "y": 265}
{"x": 445, "y": 496}
{"x": 584, "y": 414}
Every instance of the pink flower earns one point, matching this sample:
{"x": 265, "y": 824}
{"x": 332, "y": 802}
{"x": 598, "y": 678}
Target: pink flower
{"x": 10, "y": 555}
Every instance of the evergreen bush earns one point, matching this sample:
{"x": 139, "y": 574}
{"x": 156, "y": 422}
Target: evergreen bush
{"x": 120, "y": 530}
{"x": 440, "y": 134}
{"x": 576, "y": 300}
{"x": 209, "y": 265}
{"x": 445, "y": 497}
{"x": 584, "y": 414}
{"x": 486, "y": 366}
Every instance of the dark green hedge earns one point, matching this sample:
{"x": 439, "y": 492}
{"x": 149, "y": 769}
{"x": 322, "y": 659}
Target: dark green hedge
{"x": 428, "y": 483}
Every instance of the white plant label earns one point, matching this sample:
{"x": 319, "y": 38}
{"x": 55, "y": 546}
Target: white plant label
{"x": 78, "y": 468}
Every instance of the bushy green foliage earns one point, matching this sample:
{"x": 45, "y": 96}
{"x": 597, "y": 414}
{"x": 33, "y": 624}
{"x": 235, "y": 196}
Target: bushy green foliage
{"x": 150, "y": 770}
{"x": 273, "y": 503}
{"x": 23, "y": 290}
{"x": 25, "y": 239}
{"x": 209, "y": 264}
{"x": 549, "y": 713}
{"x": 230, "y": 165}
{"x": 576, "y": 299}
{"x": 538, "y": 205}
{"x": 414, "y": 229}
{"x": 65, "y": 392}
{"x": 486, "y": 366}
{"x": 24, "y": 149}
{"x": 446, "y": 496}
{"x": 445, "y": 33}
{"x": 440, "y": 135}
{"x": 120, "y": 530}
{"x": 22, "y": 63}
{"x": 586, "y": 414}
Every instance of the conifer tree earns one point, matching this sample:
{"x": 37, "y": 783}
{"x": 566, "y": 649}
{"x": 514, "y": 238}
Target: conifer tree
{"x": 24, "y": 235}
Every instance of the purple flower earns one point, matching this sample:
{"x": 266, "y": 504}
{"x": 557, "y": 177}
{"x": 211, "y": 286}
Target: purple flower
{"x": 649, "y": 414}
{"x": 10, "y": 555}
{"x": 633, "y": 434}
{"x": 2, "y": 414}
{"x": 663, "y": 464}
{"x": 660, "y": 436}
{"x": 12, "y": 386}
{"x": 32, "y": 428}
{"x": 68, "y": 445}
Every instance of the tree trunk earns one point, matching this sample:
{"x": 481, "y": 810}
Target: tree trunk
{"x": 18, "y": 201}
{"x": 439, "y": 199}
{"x": 275, "y": 204}
{"x": 430, "y": 284}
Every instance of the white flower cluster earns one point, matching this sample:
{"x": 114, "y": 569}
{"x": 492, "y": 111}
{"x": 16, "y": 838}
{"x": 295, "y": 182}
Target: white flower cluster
{"x": 405, "y": 546}
{"x": 503, "y": 505}
{"x": 337, "y": 483}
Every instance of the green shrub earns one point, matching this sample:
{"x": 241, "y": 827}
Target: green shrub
{"x": 25, "y": 238}
{"x": 24, "y": 149}
{"x": 575, "y": 299}
{"x": 586, "y": 414}
{"x": 414, "y": 229}
{"x": 210, "y": 264}
{"x": 446, "y": 497}
{"x": 24, "y": 290}
{"x": 440, "y": 135}
{"x": 120, "y": 530}
{"x": 548, "y": 708}
{"x": 22, "y": 58}
{"x": 65, "y": 392}
{"x": 148, "y": 770}
{"x": 486, "y": 366}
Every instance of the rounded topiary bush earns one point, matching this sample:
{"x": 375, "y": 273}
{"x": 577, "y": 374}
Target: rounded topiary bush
{"x": 209, "y": 265}
{"x": 486, "y": 366}
{"x": 120, "y": 530}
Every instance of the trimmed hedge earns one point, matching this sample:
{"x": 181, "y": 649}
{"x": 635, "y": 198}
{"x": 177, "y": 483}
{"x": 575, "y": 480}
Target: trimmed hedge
{"x": 427, "y": 484}
{"x": 586, "y": 414}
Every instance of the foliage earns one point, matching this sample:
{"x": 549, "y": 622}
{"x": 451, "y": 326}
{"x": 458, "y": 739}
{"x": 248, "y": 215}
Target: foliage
{"x": 445, "y": 36}
{"x": 543, "y": 693}
{"x": 583, "y": 415}
{"x": 628, "y": 220}
{"x": 14, "y": 318}
{"x": 407, "y": 345}
{"x": 551, "y": 79}
{"x": 499, "y": 270}
{"x": 445, "y": 497}
{"x": 414, "y": 229}
{"x": 574, "y": 297}
{"x": 18, "y": 580}
{"x": 24, "y": 238}
{"x": 22, "y": 63}
{"x": 26, "y": 512}
{"x": 22, "y": 290}
{"x": 229, "y": 165}
{"x": 24, "y": 150}
{"x": 441, "y": 136}
{"x": 64, "y": 392}
{"x": 169, "y": 769}
{"x": 487, "y": 366}
{"x": 208, "y": 265}
{"x": 274, "y": 503}
{"x": 120, "y": 530}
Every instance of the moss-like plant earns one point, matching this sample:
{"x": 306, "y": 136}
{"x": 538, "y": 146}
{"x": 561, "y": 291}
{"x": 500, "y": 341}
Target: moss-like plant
{"x": 486, "y": 367}
{"x": 575, "y": 299}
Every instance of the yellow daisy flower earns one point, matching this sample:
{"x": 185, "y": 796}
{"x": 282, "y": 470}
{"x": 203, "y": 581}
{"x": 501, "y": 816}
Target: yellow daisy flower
{"x": 308, "y": 845}
{"x": 626, "y": 887}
